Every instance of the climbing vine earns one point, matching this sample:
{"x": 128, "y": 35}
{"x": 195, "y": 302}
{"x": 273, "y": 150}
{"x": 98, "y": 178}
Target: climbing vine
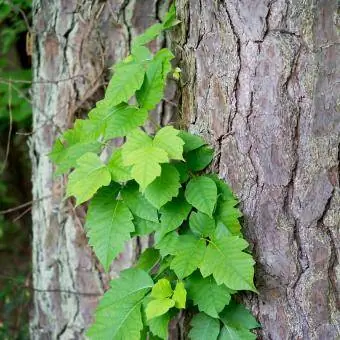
{"x": 156, "y": 184}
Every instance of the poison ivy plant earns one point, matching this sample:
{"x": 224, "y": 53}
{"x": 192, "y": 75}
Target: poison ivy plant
{"x": 157, "y": 184}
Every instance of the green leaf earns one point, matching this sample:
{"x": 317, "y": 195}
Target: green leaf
{"x": 201, "y": 224}
{"x": 167, "y": 139}
{"x": 152, "y": 90}
{"x": 150, "y": 34}
{"x": 168, "y": 244}
{"x": 108, "y": 224}
{"x": 127, "y": 78}
{"x": 238, "y": 316}
{"x": 165, "y": 56}
{"x": 170, "y": 18}
{"x": 141, "y": 54}
{"x": 117, "y": 121}
{"x": 188, "y": 256}
{"x": 201, "y": 192}
{"x": 204, "y": 327}
{"x": 118, "y": 315}
{"x": 119, "y": 172}
{"x": 232, "y": 333}
{"x": 159, "y": 326}
{"x": 229, "y": 216}
{"x": 182, "y": 168}
{"x": 148, "y": 259}
{"x": 223, "y": 189}
{"x": 191, "y": 142}
{"x": 158, "y": 307}
{"x": 163, "y": 188}
{"x": 229, "y": 265}
{"x": 144, "y": 157}
{"x": 162, "y": 289}
{"x": 173, "y": 214}
{"x": 207, "y": 295}
{"x": 180, "y": 295}
{"x": 137, "y": 202}
{"x": 144, "y": 227}
{"x": 200, "y": 158}
{"x": 87, "y": 178}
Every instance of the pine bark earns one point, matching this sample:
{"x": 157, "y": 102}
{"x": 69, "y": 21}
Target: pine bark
{"x": 75, "y": 43}
{"x": 259, "y": 82}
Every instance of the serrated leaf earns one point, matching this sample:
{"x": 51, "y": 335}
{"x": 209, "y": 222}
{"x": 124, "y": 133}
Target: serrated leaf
{"x": 118, "y": 315}
{"x": 188, "y": 255}
{"x": 200, "y": 158}
{"x": 167, "y": 139}
{"x": 168, "y": 244}
{"x": 150, "y": 34}
{"x": 164, "y": 187}
{"x": 226, "y": 261}
{"x": 232, "y": 333}
{"x": 191, "y": 142}
{"x": 144, "y": 157}
{"x": 173, "y": 214}
{"x": 148, "y": 259}
{"x": 137, "y": 202}
{"x": 141, "y": 53}
{"x": 87, "y": 178}
{"x": 108, "y": 224}
{"x": 229, "y": 216}
{"x": 180, "y": 295}
{"x": 117, "y": 121}
{"x": 144, "y": 227}
{"x": 152, "y": 90}
{"x": 158, "y": 307}
{"x": 204, "y": 327}
{"x": 207, "y": 295}
{"x": 161, "y": 289}
{"x": 127, "y": 79}
{"x": 223, "y": 189}
{"x": 159, "y": 326}
{"x": 201, "y": 192}
{"x": 238, "y": 316}
{"x": 119, "y": 172}
{"x": 201, "y": 224}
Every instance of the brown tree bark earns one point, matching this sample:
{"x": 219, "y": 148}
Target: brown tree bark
{"x": 75, "y": 42}
{"x": 259, "y": 82}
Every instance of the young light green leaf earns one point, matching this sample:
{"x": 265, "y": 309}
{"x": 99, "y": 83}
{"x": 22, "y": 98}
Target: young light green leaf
{"x": 201, "y": 224}
{"x": 168, "y": 140}
{"x": 207, "y": 295}
{"x": 238, "y": 316}
{"x": 170, "y": 18}
{"x": 158, "y": 307}
{"x": 117, "y": 121}
{"x": 148, "y": 259}
{"x": 150, "y": 34}
{"x": 161, "y": 289}
{"x": 180, "y": 295}
{"x": 137, "y": 202}
{"x": 173, "y": 214}
{"x": 118, "y": 315}
{"x": 226, "y": 261}
{"x": 232, "y": 333}
{"x": 201, "y": 192}
{"x": 88, "y": 177}
{"x": 127, "y": 78}
{"x": 141, "y": 54}
{"x": 136, "y": 139}
{"x": 191, "y": 142}
{"x": 164, "y": 187}
{"x": 108, "y": 224}
{"x": 119, "y": 172}
{"x": 188, "y": 255}
{"x": 159, "y": 326}
{"x": 200, "y": 158}
{"x": 165, "y": 56}
{"x": 229, "y": 216}
{"x": 204, "y": 327}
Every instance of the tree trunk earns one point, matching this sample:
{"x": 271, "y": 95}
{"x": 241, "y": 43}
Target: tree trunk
{"x": 75, "y": 42}
{"x": 259, "y": 82}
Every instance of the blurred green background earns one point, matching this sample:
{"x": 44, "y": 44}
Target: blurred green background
{"x": 15, "y": 169}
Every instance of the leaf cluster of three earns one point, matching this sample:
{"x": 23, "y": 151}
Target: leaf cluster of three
{"x": 154, "y": 185}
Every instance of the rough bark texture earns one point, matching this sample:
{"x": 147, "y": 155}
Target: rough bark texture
{"x": 259, "y": 81}
{"x": 75, "y": 44}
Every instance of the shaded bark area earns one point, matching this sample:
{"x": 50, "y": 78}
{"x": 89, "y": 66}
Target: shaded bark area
{"x": 75, "y": 43}
{"x": 259, "y": 82}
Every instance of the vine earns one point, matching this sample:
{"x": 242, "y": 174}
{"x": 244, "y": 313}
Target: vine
{"x": 155, "y": 184}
